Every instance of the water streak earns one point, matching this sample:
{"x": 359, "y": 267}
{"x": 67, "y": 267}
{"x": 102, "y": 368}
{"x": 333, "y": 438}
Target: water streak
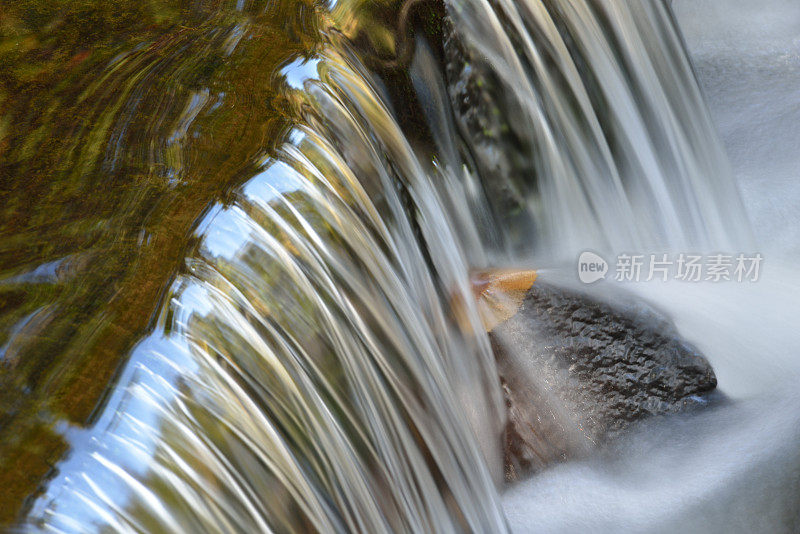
{"x": 306, "y": 354}
{"x": 623, "y": 153}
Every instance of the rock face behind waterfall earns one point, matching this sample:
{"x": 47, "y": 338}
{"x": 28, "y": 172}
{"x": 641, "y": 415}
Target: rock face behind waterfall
{"x": 575, "y": 371}
{"x": 499, "y": 147}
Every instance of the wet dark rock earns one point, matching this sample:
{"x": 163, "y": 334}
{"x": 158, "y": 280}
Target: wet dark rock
{"x": 576, "y": 371}
{"x": 496, "y": 145}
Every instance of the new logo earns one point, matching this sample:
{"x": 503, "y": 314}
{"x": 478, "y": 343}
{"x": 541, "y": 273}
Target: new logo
{"x": 591, "y": 267}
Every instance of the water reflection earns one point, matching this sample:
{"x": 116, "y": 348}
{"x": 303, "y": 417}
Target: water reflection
{"x": 299, "y": 71}
{"x": 304, "y": 355}
{"x": 119, "y": 124}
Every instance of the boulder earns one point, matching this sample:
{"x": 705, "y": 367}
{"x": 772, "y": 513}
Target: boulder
{"x": 577, "y": 370}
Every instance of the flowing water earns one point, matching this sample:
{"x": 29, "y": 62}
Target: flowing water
{"x": 317, "y": 362}
{"x": 735, "y": 468}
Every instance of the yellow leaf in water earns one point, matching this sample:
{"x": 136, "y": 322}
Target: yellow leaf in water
{"x": 499, "y": 293}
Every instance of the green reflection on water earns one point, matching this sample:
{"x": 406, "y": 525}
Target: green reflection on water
{"x": 120, "y": 122}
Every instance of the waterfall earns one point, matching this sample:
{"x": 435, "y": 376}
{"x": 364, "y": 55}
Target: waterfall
{"x": 319, "y": 363}
{"x": 305, "y": 372}
{"x": 620, "y": 151}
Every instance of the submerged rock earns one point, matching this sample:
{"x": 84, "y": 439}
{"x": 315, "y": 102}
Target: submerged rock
{"x": 576, "y": 371}
{"x": 498, "y": 143}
